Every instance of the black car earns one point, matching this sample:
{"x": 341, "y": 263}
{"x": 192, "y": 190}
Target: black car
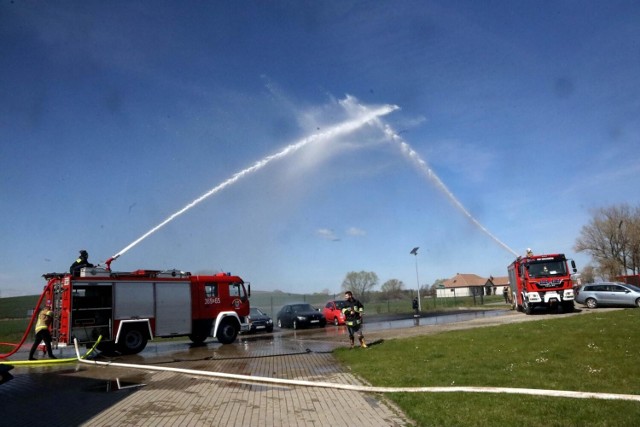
{"x": 259, "y": 321}
{"x": 300, "y": 315}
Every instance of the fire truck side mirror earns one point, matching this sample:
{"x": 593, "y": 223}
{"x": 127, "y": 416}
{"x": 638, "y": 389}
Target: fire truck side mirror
{"x": 573, "y": 266}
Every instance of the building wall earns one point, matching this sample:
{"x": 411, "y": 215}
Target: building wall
{"x": 467, "y": 291}
{"x": 449, "y": 292}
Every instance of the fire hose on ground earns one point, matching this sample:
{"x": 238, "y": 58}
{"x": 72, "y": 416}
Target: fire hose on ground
{"x": 55, "y": 361}
{"x": 364, "y": 388}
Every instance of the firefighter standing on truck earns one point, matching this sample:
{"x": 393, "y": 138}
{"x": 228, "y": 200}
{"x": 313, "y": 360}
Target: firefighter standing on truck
{"x": 45, "y": 318}
{"x": 78, "y": 264}
{"x": 353, "y": 311}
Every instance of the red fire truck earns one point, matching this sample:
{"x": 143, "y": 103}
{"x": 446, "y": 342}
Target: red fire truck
{"x": 541, "y": 281}
{"x": 129, "y": 308}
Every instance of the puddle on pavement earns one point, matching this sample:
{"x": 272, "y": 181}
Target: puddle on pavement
{"x": 65, "y": 399}
{"x": 115, "y": 385}
{"x": 440, "y": 319}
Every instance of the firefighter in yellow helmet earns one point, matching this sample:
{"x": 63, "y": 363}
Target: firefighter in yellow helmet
{"x": 353, "y": 311}
{"x": 45, "y": 318}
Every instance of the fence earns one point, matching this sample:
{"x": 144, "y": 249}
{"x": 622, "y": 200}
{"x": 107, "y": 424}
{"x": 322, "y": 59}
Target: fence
{"x": 271, "y": 303}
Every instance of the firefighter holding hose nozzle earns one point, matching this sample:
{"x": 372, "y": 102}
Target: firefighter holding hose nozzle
{"x": 353, "y": 311}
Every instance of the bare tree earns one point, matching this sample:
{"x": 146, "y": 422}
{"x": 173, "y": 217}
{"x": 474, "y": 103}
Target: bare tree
{"x": 360, "y": 283}
{"x": 392, "y": 289}
{"x": 632, "y": 229}
{"x": 588, "y": 274}
{"x": 612, "y": 238}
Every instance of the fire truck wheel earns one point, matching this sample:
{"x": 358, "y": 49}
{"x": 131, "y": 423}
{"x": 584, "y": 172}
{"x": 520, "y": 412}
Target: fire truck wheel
{"x": 528, "y": 309}
{"x": 133, "y": 341}
{"x": 197, "y": 339}
{"x": 201, "y": 331}
{"x": 227, "y": 332}
{"x": 107, "y": 348}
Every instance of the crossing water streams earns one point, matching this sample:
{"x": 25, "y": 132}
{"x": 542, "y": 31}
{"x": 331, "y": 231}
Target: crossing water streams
{"x": 363, "y": 116}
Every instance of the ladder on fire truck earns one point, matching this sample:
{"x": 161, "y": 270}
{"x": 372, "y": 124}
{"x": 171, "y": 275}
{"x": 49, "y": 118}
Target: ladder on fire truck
{"x": 56, "y": 307}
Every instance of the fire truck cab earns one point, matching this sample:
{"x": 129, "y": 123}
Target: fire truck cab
{"x": 129, "y": 308}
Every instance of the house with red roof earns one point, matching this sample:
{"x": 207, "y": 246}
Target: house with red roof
{"x": 466, "y": 284}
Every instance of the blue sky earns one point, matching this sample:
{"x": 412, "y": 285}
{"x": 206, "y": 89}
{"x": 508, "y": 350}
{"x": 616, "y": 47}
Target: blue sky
{"x": 116, "y": 115}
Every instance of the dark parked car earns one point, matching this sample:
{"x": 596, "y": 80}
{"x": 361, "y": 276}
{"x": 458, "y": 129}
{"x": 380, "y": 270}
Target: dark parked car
{"x": 608, "y": 293}
{"x": 300, "y": 315}
{"x": 333, "y": 312}
{"x": 259, "y": 321}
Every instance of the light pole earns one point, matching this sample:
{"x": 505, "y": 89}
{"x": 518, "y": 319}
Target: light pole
{"x": 414, "y": 251}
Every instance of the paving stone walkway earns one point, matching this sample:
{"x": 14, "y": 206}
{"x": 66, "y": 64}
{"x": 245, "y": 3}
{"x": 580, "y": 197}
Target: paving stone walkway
{"x": 175, "y": 399}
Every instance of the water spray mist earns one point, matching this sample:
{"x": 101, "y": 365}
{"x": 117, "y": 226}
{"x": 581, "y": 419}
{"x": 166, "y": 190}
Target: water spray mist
{"x": 415, "y": 158}
{"x": 365, "y": 115}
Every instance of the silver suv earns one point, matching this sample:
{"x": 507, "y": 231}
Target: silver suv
{"x": 608, "y": 293}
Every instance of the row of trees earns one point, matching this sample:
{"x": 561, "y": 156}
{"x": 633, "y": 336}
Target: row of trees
{"x": 364, "y": 282}
{"x": 612, "y": 239}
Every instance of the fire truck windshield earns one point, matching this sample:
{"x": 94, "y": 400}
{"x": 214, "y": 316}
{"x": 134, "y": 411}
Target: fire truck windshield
{"x": 547, "y": 268}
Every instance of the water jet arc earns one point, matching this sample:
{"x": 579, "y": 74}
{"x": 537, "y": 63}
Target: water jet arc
{"x": 415, "y": 158}
{"x": 366, "y": 115}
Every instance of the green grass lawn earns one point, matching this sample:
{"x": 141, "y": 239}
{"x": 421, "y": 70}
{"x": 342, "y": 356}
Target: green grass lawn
{"x": 14, "y": 319}
{"x": 12, "y": 331}
{"x": 596, "y": 352}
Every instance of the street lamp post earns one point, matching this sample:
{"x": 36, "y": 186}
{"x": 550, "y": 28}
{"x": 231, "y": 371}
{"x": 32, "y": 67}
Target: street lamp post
{"x": 414, "y": 251}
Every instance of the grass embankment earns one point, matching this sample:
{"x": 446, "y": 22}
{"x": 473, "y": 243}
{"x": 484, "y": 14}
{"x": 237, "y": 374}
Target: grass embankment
{"x": 14, "y": 318}
{"x": 596, "y": 352}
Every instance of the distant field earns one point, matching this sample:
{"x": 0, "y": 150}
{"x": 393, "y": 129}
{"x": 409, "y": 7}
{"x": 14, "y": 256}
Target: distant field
{"x": 17, "y": 307}
{"x": 14, "y": 318}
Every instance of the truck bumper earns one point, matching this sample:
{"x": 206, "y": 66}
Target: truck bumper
{"x": 550, "y": 297}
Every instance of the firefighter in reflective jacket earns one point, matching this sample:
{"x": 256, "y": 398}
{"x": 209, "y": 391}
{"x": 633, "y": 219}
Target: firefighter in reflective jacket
{"x": 45, "y": 318}
{"x": 81, "y": 262}
{"x": 353, "y": 311}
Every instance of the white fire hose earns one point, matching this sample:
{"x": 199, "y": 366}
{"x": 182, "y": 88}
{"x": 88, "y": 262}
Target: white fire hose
{"x": 368, "y": 389}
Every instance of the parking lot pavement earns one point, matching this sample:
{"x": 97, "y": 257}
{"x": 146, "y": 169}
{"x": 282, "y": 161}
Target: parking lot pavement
{"x": 176, "y": 399}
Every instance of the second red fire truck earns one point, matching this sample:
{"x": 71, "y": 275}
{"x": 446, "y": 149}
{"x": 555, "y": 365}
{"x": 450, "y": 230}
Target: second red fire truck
{"x": 541, "y": 281}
